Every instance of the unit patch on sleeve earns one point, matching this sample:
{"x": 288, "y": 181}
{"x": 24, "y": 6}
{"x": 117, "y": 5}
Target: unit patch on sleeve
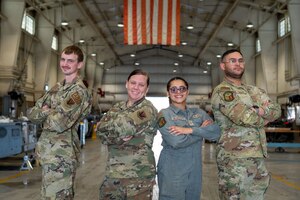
{"x": 161, "y": 122}
{"x": 75, "y": 98}
{"x": 228, "y": 96}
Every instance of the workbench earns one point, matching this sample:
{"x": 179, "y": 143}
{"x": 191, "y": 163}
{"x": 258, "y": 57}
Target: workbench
{"x": 281, "y": 145}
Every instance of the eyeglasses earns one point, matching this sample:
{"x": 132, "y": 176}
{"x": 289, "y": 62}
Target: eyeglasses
{"x": 234, "y": 61}
{"x": 176, "y": 89}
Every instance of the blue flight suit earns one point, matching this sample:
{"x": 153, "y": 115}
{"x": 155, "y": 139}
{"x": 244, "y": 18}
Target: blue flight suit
{"x": 179, "y": 165}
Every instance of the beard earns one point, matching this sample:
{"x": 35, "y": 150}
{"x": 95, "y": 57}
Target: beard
{"x": 232, "y": 74}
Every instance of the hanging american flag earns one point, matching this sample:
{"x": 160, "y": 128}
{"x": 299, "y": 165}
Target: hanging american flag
{"x": 151, "y": 22}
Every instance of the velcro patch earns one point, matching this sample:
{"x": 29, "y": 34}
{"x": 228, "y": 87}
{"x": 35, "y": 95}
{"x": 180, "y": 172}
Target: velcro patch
{"x": 75, "y": 98}
{"x": 161, "y": 122}
{"x": 228, "y": 96}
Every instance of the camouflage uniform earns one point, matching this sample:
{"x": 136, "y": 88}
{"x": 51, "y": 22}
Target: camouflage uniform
{"x": 131, "y": 164}
{"x": 242, "y": 146}
{"x": 59, "y": 145}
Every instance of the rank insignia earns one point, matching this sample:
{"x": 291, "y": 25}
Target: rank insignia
{"x": 161, "y": 122}
{"x": 228, "y": 96}
{"x": 141, "y": 115}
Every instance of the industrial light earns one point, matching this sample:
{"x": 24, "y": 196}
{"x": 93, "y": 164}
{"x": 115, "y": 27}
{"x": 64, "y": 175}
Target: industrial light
{"x": 184, "y": 43}
{"x": 218, "y": 56}
{"x": 249, "y": 25}
{"x": 208, "y": 63}
{"x": 180, "y": 55}
{"x": 101, "y": 63}
{"x": 176, "y": 63}
{"x": 93, "y": 54}
{"x": 136, "y": 63}
{"x": 230, "y": 44}
{"x": 81, "y": 41}
{"x": 120, "y": 25}
{"x": 132, "y": 55}
{"x": 190, "y": 26}
{"x": 64, "y": 23}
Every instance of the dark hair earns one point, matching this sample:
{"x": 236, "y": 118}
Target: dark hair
{"x": 229, "y": 52}
{"x": 177, "y": 78}
{"x": 74, "y": 49}
{"x": 139, "y": 72}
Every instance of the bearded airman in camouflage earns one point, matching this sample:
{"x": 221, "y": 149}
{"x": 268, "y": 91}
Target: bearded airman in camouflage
{"x": 241, "y": 111}
{"x": 128, "y": 129}
{"x": 59, "y": 111}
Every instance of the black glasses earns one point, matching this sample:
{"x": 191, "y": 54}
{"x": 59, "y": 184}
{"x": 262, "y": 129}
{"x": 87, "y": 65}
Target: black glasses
{"x": 234, "y": 60}
{"x": 176, "y": 89}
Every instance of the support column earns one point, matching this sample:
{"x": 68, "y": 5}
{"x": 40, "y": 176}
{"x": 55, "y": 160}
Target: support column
{"x": 268, "y": 34}
{"x": 293, "y": 8}
{"x": 46, "y": 72}
{"x": 10, "y": 42}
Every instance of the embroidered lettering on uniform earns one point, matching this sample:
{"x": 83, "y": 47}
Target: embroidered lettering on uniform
{"x": 141, "y": 115}
{"x": 228, "y": 96}
{"x": 75, "y": 98}
{"x": 161, "y": 122}
{"x": 177, "y": 118}
{"x": 224, "y": 88}
{"x": 196, "y": 116}
{"x": 191, "y": 123}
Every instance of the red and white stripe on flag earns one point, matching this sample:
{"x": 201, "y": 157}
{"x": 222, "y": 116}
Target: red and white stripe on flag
{"x": 151, "y": 22}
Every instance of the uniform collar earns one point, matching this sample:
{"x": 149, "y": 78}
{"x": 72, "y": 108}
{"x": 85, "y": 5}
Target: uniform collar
{"x": 232, "y": 84}
{"x": 176, "y": 110}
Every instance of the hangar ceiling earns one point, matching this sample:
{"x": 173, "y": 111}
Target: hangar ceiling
{"x": 216, "y": 23}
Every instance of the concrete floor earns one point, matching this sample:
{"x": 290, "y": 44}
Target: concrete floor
{"x": 284, "y": 167}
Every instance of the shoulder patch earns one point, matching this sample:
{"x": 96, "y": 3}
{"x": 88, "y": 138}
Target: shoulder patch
{"x": 228, "y": 96}
{"x": 161, "y": 122}
{"x": 75, "y": 98}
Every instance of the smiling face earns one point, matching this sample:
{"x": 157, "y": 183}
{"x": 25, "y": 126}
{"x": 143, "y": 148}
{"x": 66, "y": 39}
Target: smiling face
{"x": 137, "y": 88}
{"x": 69, "y": 65}
{"x": 178, "y": 93}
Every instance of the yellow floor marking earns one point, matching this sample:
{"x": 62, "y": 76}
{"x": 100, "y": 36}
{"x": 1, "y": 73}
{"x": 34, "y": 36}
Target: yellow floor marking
{"x": 286, "y": 182}
{"x": 6, "y": 179}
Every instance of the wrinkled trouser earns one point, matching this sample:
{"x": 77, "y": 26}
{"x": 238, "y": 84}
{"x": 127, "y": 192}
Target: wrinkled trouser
{"x": 58, "y": 181}
{"x": 242, "y": 179}
{"x": 179, "y": 178}
{"x": 126, "y": 189}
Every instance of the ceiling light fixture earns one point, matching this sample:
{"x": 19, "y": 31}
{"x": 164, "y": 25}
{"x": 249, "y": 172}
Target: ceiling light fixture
{"x": 190, "y": 27}
{"x": 93, "y": 54}
{"x": 64, "y": 23}
{"x": 180, "y": 55}
{"x": 81, "y": 41}
{"x": 230, "y": 44}
{"x": 184, "y": 43}
{"x": 101, "y": 63}
{"x": 120, "y": 25}
{"x": 132, "y": 55}
{"x": 249, "y": 25}
{"x": 218, "y": 56}
{"x": 176, "y": 63}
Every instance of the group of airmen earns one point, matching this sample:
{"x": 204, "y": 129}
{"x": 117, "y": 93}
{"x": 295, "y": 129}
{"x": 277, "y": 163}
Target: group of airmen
{"x": 240, "y": 112}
